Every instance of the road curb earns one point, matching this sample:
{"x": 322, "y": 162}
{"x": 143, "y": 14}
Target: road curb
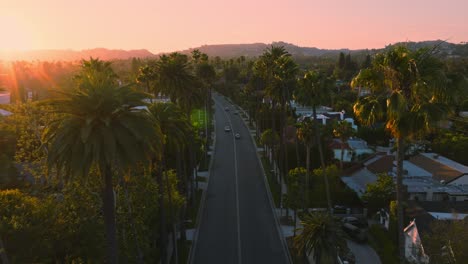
{"x": 270, "y": 197}
{"x": 201, "y": 208}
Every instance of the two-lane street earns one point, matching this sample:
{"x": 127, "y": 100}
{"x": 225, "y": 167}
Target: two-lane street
{"x": 237, "y": 224}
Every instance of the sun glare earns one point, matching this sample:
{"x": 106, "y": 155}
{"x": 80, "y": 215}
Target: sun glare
{"x": 15, "y": 35}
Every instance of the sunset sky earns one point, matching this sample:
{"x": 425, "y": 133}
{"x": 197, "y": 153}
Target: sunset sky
{"x": 169, "y": 25}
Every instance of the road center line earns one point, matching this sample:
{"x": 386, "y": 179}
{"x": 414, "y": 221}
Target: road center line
{"x": 239, "y": 260}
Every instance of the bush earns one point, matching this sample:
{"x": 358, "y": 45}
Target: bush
{"x": 387, "y": 249}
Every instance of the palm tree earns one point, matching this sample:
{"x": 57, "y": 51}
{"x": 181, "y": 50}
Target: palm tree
{"x": 207, "y": 74}
{"x": 413, "y": 84}
{"x": 320, "y": 237}
{"x": 278, "y": 69}
{"x": 176, "y": 131}
{"x": 147, "y": 75}
{"x": 305, "y": 133}
{"x": 101, "y": 126}
{"x": 269, "y": 139}
{"x": 343, "y": 131}
{"x": 176, "y": 81}
{"x": 313, "y": 90}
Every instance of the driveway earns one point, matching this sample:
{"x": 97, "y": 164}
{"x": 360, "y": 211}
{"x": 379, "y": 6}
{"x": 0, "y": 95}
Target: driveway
{"x": 363, "y": 253}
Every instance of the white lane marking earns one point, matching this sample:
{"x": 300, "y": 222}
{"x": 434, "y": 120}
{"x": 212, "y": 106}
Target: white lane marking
{"x": 239, "y": 260}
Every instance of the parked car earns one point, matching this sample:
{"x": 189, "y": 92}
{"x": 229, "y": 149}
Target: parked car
{"x": 226, "y": 108}
{"x": 339, "y": 209}
{"x": 355, "y": 232}
{"x": 355, "y": 228}
{"x": 236, "y": 113}
{"x": 361, "y": 223}
{"x": 237, "y": 136}
{"x": 227, "y": 128}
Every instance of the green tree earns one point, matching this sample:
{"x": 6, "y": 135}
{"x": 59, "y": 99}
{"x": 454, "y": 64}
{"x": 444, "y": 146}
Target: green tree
{"x": 177, "y": 81}
{"x": 321, "y": 237}
{"x": 314, "y": 89}
{"x": 379, "y": 194}
{"x": 101, "y": 126}
{"x": 343, "y": 131}
{"x": 413, "y": 84}
{"x": 306, "y": 134}
{"x": 446, "y": 242}
{"x": 270, "y": 139}
{"x": 297, "y": 188}
{"x": 147, "y": 75}
{"x": 279, "y": 70}
{"x": 177, "y": 132}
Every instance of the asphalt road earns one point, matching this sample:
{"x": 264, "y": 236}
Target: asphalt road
{"x": 237, "y": 224}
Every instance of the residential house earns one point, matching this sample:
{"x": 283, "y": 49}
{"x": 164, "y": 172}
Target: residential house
{"x": 425, "y": 178}
{"x": 353, "y": 149}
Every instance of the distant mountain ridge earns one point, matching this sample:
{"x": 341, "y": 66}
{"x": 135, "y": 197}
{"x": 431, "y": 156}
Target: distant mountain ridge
{"x": 256, "y": 49}
{"x": 221, "y": 50}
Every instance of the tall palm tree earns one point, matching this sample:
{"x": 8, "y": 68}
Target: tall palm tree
{"x": 147, "y": 75}
{"x": 314, "y": 89}
{"x": 269, "y": 139}
{"x": 343, "y": 131}
{"x": 413, "y": 84}
{"x": 101, "y": 126}
{"x": 177, "y": 81}
{"x": 176, "y": 131}
{"x": 306, "y": 134}
{"x": 278, "y": 69}
{"x": 320, "y": 237}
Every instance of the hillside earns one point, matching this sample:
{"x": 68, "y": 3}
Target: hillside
{"x": 256, "y": 49}
{"x": 221, "y": 50}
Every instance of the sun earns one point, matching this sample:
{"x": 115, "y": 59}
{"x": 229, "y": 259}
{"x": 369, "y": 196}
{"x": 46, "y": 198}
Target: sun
{"x": 15, "y": 35}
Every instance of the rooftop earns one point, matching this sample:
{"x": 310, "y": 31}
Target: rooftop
{"x": 440, "y": 167}
{"x": 425, "y": 184}
{"x": 381, "y": 165}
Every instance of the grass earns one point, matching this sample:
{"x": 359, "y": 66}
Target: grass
{"x": 379, "y": 240}
{"x": 205, "y": 163}
{"x": 183, "y": 248}
{"x": 193, "y": 210}
{"x": 274, "y": 185}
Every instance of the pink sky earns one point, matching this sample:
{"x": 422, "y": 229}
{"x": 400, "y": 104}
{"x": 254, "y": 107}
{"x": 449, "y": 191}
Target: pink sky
{"x": 168, "y": 25}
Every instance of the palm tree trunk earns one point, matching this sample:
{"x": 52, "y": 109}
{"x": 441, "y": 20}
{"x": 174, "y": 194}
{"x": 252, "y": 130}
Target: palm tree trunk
{"x": 342, "y": 155}
{"x": 3, "y": 253}
{"x": 109, "y": 216}
{"x": 172, "y": 217}
{"x": 162, "y": 213}
{"x": 298, "y": 162}
{"x": 306, "y": 193}
{"x": 400, "y": 198}
{"x": 132, "y": 224}
{"x": 181, "y": 173}
{"x": 322, "y": 160}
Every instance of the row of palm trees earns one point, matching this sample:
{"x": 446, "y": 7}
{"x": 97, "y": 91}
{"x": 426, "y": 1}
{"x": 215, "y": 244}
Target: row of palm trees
{"x": 410, "y": 93}
{"x": 109, "y": 127}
